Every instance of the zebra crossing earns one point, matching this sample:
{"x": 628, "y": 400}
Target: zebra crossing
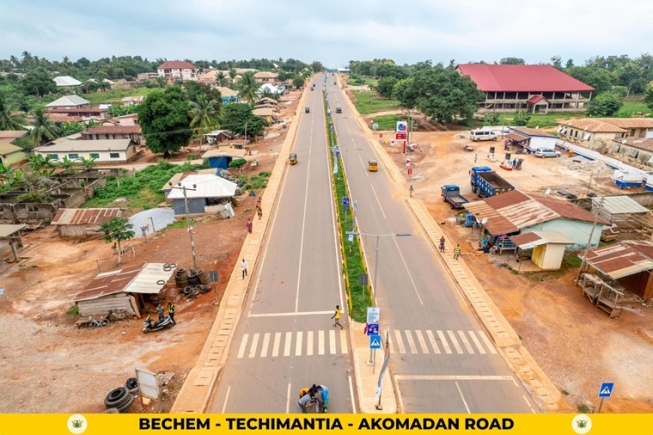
{"x": 334, "y": 342}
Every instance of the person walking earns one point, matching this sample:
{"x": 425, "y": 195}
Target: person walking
{"x": 336, "y": 316}
{"x": 171, "y": 311}
{"x": 243, "y": 266}
{"x": 411, "y": 190}
{"x": 475, "y": 157}
{"x": 258, "y": 202}
{"x": 249, "y": 225}
{"x": 442, "y": 244}
{"x": 456, "y": 252}
{"x": 260, "y": 213}
{"x": 159, "y": 311}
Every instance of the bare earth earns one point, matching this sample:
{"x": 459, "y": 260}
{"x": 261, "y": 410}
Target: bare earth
{"x": 576, "y": 344}
{"x": 50, "y": 366}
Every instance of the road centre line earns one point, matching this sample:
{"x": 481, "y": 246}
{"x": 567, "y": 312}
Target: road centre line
{"x": 351, "y": 393}
{"x": 463, "y": 397}
{"x": 288, "y": 400}
{"x": 303, "y": 313}
{"x": 226, "y": 399}
{"x": 377, "y": 200}
{"x": 453, "y": 378}
{"x": 529, "y": 404}
{"x": 410, "y": 276}
{"x": 301, "y": 243}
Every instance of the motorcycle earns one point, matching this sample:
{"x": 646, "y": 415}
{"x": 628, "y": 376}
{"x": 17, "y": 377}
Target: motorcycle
{"x": 165, "y": 323}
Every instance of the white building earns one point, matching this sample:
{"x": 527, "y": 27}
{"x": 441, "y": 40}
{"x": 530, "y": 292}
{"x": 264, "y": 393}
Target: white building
{"x": 178, "y": 70}
{"x": 68, "y": 102}
{"x": 112, "y": 150}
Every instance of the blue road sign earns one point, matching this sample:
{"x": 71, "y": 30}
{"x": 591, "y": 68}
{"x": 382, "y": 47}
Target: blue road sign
{"x": 345, "y": 200}
{"x": 606, "y": 390}
{"x": 373, "y": 329}
{"x": 375, "y": 342}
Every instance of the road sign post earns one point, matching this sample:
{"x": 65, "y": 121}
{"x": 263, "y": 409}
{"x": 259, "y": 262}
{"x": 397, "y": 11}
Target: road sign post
{"x": 604, "y": 393}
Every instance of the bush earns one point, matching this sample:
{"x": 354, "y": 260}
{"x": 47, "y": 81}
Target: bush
{"x": 606, "y": 104}
{"x": 620, "y": 91}
{"x": 521, "y": 118}
{"x": 237, "y": 163}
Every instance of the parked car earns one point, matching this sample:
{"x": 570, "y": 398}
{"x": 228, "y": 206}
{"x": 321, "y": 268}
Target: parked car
{"x": 547, "y": 152}
{"x": 477, "y": 135}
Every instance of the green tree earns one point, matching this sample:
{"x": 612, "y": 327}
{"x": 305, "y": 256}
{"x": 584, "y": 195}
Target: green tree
{"x": 68, "y": 128}
{"x": 247, "y": 88}
{"x": 41, "y": 165}
{"x": 317, "y": 66}
{"x": 38, "y": 82}
{"x": 44, "y": 130}
{"x": 512, "y": 61}
{"x": 163, "y": 117}
{"x": 221, "y": 78}
{"x": 492, "y": 118}
{"x": 298, "y": 81}
{"x": 232, "y": 74}
{"x": 236, "y": 115}
{"x": 620, "y": 91}
{"x": 606, "y": 104}
{"x": 118, "y": 230}
{"x": 204, "y": 116}
{"x": 67, "y": 165}
{"x": 385, "y": 86}
{"x": 521, "y": 118}
{"x": 648, "y": 95}
{"x": 194, "y": 90}
{"x": 597, "y": 78}
{"x": 87, "y": 163}
{"x": 385, "y": 70}
{"x": 404, "y": 92}
{"x": 9, "y": 121}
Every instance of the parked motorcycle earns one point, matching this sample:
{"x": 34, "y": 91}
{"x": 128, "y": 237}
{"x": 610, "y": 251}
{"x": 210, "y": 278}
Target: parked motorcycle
{"x": 150, "y": 326}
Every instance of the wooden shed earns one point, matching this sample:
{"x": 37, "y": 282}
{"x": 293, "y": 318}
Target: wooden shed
{"x": 621, "y": 211}
{"x": 83, "y": 222}
{"x": 122, "y": 289}
{"x": 548, "y": 247}
{"x": 10, "y": 241}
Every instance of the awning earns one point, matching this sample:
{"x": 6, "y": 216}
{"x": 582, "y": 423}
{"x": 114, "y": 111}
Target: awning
{"x": 150, "y": 280}
{"x": 516, "y": 137}
{"x": 537, "y": 238}
{"x": 622, "y": 259}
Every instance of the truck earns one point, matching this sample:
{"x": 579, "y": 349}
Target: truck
{"x": 486, "y": 183}
{"x": 451, "y": 194}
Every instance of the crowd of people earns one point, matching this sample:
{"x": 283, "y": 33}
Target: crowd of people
{"x": 315, "y": 395}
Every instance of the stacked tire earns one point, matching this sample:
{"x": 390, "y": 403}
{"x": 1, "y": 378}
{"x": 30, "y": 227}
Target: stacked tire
{"x": 119, "y": 398}
{"x": 193, "y": 279}
{"x": 204, "y": 277}
{"x": 181, "y": 278}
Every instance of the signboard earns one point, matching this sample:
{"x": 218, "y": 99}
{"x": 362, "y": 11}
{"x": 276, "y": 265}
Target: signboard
{"x": 373, "y": 315}
{"x": 373, "y": 329}
{"x": 345, "y": 201}
{"x": 148, "y": 385}
{"x": 375, "y": 126}
{"x": 375, "y": 342}
{"x": 401, "y": 136}
{"x": 362, "y": 278}
{"x": 402, "y": 127}
{"x": 606, "y": 390}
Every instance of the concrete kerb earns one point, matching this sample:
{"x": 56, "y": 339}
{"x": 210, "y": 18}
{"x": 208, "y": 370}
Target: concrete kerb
{"x": 196, "y": 392}
{"x": 497, "y": 327}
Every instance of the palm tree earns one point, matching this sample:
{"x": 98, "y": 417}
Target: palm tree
{"x": 9, "y": 121}
{"x": 221, "y": 78}
{"x": 247, "y": 87}
{"x": 67, "y": 165}
{"x": 87, "y": 163}
{"x": 41, "y": 165}
{"x": 43, "y": 128}
{"x": 204, "y": 117}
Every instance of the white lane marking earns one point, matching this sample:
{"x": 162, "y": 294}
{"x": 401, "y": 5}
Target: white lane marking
{"x": 226, "y": 399}
{"x": 343, "y": 341}
{"x": 298, "y": 344}
{"x": 463, "y": 397}
{"x": 410, "y": 276}
{"x": 320, "y": 343}
{"x": 243, "y": 345}
{"x": 529, "y": 404}
{"x": 452, "y": 378}
{"x": 332, "y": 342}
{"x": 422, "y": 342}
{"x": 287, "y": 343}
{"x": 434, "y": 344}
{"x": 264, "y": 346}
{"x": 444, "y": 342}
{"x": 476, "y": 342}
{"x": 301, "y": 243}
{"x": 363, "y": 165}
{"x": 452, "y": 337}
{"x": 309, "y": 343}
{"x": 351, "y": 394}
{"x": 277, "y": 343}
{"x": 515, "y": 382}
{"x": 466, "y": 343}
{"x": 400, "y": 341}
{"x": 288, "y": 400}
{"x": 377, "y": 200}
{"x": 252, "y": 350}
{"x": 411, "y": 342}
{"x": 303, "y": 313}
{"x": 487, "y": 342}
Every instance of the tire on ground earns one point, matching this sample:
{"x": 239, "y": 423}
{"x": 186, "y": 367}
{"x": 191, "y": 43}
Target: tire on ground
{"x": 132, "y": 386}
{"x": 111, "y": 411}
{"x": 127, "y": 406}
{"x": 115, "y": 397}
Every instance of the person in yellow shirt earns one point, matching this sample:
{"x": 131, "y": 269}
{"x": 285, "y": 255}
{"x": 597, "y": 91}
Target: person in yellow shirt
{"x": 336, "y": 316}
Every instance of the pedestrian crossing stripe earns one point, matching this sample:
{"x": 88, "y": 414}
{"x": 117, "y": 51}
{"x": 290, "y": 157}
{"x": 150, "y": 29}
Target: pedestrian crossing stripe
{"x": 332, "y": 342}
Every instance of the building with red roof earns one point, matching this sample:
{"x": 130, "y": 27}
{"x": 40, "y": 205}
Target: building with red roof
{"x": 177, "y": 70}
{"x": 533, "y": 88}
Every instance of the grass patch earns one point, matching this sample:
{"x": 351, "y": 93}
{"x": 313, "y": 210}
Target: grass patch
{"x": 583, "y": 409}
{"x": 572, "y": 260}
{"x": 367, "y": 102}
{"x": 389, "y": 122}
{"x": 633, "y": 105}
{"x": 73, "y": 311}
{"x": 181, "y": 223}
{"x": 115, "y": 95}
{"x": 142, "y": 190}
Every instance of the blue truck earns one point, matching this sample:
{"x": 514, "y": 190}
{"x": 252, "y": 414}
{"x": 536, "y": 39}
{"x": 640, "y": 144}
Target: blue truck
{"x": 486, "y": 183}
{"x": 451, "y": 194}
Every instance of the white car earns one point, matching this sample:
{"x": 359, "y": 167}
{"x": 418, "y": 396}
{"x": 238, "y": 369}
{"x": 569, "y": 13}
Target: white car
{"x": 545, "y": 152}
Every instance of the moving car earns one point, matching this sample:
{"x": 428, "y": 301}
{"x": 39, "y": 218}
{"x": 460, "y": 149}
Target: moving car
{"x": 477, "y": 135}
{"x": 338, "y": 110}
{"x": 307, "y": 110}
{"x": 546, "y": 152}
{"x": 292, "y": 158}
{"x": 371, "y": 165}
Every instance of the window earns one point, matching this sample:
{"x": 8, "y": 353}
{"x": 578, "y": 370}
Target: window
{"x": 586, "y": 136}
{"x": 633, "y": 153}
{"x": 54, "y": 156}
{"x": 95, "y": 155}
{"x": 106, "y": 136}
{"x": 576, "y": 133}
{"x": 73, "y": 156}
{"x": 114, "y": 155}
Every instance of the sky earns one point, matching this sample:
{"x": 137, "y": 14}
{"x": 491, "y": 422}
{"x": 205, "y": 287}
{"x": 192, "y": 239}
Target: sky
{"x": 333, "y": 32}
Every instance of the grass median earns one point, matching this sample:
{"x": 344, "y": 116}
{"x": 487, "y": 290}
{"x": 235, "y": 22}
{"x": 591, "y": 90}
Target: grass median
{"x": 352, "y": 254}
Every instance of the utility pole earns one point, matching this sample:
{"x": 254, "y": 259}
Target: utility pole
{"x": 190, "y": 228}
{"x": 245, "y": 138}
{"x": 589, "y": 242}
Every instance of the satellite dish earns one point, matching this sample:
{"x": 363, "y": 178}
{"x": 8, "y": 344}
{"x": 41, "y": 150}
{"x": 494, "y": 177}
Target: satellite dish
{"x": 547, "y": 192}
{"x": 484, "y": 221}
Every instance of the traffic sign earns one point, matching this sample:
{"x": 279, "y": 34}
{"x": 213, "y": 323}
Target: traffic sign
{"x": 375, "y": 342}
{"x": 606, "y": 390}
{"x": 401, "y": 136}
{"x": 345, "y": 200}
{"x": 373, "y": 315}
{"x": 373, "y": 329}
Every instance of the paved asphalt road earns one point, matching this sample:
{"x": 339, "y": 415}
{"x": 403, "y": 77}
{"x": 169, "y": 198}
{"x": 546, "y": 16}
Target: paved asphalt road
{"x": 442, "y": 360}
{"x": 285, "y": 339}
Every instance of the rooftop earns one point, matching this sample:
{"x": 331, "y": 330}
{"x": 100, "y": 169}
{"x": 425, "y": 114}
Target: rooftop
{"x": 226, "y": 92}
{"x": 224, "y": 152}
{"x": 85, "y": 216}
{"x": 266, "y": 75}
{"x": 621, "y": 204}
{"x": 114, "y": 129}
{"x": 7, "y": 230}
{"x": 12, "y": 134}
{"x": 6, "y": 147}
{"x": 531, "y": 131}
{"x": 177, "y": 64}
{"x": 66, "y": 81}
{"x": 521, "y": 78}
{"x": 68, "y": 101}
{"x": 622, "y": 259}
{"x": 263, "y": 111}
{"x": 596, "y": 125}
{"x": 206, "y": 186}
{"x": 536, "y": 238}
{"x": 641, "y": 143}
{"x": 86, "y": 146}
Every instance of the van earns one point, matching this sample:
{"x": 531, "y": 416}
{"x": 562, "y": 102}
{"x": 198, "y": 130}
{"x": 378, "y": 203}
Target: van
{"x": 546, "y": 152}
{"x": 477, "y": 135}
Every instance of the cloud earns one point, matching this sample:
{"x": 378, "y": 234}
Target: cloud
{"x": 333, "y": 31}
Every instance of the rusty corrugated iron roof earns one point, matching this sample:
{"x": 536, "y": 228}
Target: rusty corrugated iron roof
{"x": 622, "y": 259}
{"x": 85, "y": 216}
{"x": 517, "y": 137}
{"x": 568, "y": 210}
{"x": 108, "y": 283}
{"x": 496, "y": 223}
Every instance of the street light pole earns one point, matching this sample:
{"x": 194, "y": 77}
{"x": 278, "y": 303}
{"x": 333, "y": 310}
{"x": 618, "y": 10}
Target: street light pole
{"x": 589, "y": 242}
{"x": 190, "y": 232}
{"x": 376, "y": 269}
